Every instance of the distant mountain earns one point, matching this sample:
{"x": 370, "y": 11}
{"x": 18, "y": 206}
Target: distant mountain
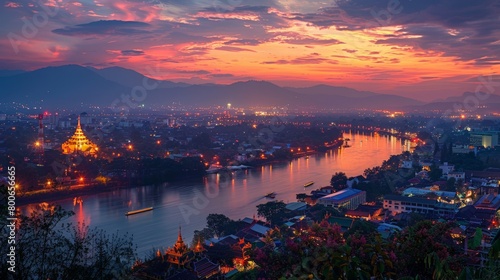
{"x": 471, "y": 96}
{"x": 62, "y": 86}
{"x": 332, "y": 90}
{"x": 5, "y": 73}
{"x": 241, "y": 94}
{"x": 131, "y": 78}
{"x": 480, "y": 101}
{"x": 73, "y": 86}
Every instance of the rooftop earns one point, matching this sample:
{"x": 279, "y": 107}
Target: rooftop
{"x": 342, "y": 195}
{"x": 418, "y": 191}
{"x": 293, "y": 206}
{"x": 411, "y": 199}
{"x": 488, "y": 201}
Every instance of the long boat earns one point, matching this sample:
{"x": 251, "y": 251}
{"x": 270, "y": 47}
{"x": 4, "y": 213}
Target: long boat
{"x": 138, "y": 211}
{"x": 310, "y": 183}
{"x": 271, "y": 195}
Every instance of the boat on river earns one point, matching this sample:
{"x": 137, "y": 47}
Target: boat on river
{"x": 271, "y": 195}
{"x": 308, "y": 184}
{"x": 138, "y": 211}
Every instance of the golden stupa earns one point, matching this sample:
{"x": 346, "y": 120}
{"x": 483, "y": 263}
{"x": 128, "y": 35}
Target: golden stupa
{"x": 79, "y": 143}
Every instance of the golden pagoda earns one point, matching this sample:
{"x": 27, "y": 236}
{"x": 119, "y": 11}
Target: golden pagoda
{"x": 180, "y": 254}
{"x": 79, "y": 143}
{"x": 198, "y": 248}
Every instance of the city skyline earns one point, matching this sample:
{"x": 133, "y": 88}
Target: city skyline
{"x": 423, "y": 50}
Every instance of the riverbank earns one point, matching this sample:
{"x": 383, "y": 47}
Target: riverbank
{"x": 56, "y": 195}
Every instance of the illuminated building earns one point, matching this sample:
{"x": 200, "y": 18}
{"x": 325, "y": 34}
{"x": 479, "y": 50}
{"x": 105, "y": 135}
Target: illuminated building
{"x": 180, "y": 254}
{"x": 79, "y": 143}
{"x": 346, "y": 198}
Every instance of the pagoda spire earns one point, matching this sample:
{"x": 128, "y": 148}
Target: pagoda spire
{"x": 78, "y": 126}
{"x": 179, "y": 235}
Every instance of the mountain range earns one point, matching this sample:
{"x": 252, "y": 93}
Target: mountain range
{"x": 73, "y": 86}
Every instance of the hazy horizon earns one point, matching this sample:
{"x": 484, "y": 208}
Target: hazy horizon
{"x": 425, "y": 50}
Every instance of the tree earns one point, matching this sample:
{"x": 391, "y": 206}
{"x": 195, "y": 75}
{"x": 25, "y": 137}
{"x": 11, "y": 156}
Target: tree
{"x": 417, "y": 243}
{"x": 339, "y": 180}
{"x": 272, "y": 211}
{"x": 216, "y": 223}
{"x": 319, "y": 211}
{"x": 48, "y": 248}
{"x": 435, "y": 173}
{"x": 450, "y": 185}
{"x": 361, "y": 227}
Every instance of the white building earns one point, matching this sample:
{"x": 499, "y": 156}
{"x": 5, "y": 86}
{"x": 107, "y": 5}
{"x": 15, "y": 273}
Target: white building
{"x": 447, "y": 168}
{"x": 456, "y": 175}
{"x": 346, "y": 198}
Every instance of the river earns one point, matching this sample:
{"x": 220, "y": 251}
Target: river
{"x": 187, "y": 203}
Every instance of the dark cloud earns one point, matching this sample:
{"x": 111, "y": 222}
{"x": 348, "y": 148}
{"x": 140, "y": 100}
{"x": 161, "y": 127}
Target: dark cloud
{"x": 222, "y": 75}
{"x": 349, "y": 50}
{"x": 467, "y": 30}
{"x": 132, "y": 52}
{"x": 246, "y": 42}
{"x": 195, "y": 72}
{"x": 234, "y": 49}
{"x": 104, "y": 27}
{"x": 238, "y": 9}
{"x": 180, "y": 38}
{"x": 301, "y": 39}
{"x": 309, "y": 59}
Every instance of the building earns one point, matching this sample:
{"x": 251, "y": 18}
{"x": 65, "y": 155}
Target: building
{"x": 488, "y": 202}
{"x": 365, "y": 212}
{"x": 484, "y": 139}
{"x": 79, "y": 143}
{"x": 488, "y": 207}
{"x": 447, "y": 168}
{"x": 456, "y": 175}
{"x": 450, "y": 197}
{"x": 180, "y": 254}
{"x": 405, "y": 204}
{"x": 346, "y": 198}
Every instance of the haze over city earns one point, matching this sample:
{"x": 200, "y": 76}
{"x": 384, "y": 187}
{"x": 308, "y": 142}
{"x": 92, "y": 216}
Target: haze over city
{"x": 235, "y": 139}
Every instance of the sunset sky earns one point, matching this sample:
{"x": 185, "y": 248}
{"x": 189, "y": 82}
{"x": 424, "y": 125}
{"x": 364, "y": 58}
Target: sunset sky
{"x": 424, "y": 49}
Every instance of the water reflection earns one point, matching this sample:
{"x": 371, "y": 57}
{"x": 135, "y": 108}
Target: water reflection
{"x": 235, "y": 194}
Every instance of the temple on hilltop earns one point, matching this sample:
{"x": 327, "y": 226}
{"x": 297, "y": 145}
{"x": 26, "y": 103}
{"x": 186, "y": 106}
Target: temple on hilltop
{"x": 180, "y": 254}
{"x": 79, "y": 143}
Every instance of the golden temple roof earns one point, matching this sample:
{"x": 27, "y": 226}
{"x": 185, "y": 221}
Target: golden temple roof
{"x": 79, "y": 143}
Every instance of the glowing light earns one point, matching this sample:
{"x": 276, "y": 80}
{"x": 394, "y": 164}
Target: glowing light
{"x": 81, "y": 179}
